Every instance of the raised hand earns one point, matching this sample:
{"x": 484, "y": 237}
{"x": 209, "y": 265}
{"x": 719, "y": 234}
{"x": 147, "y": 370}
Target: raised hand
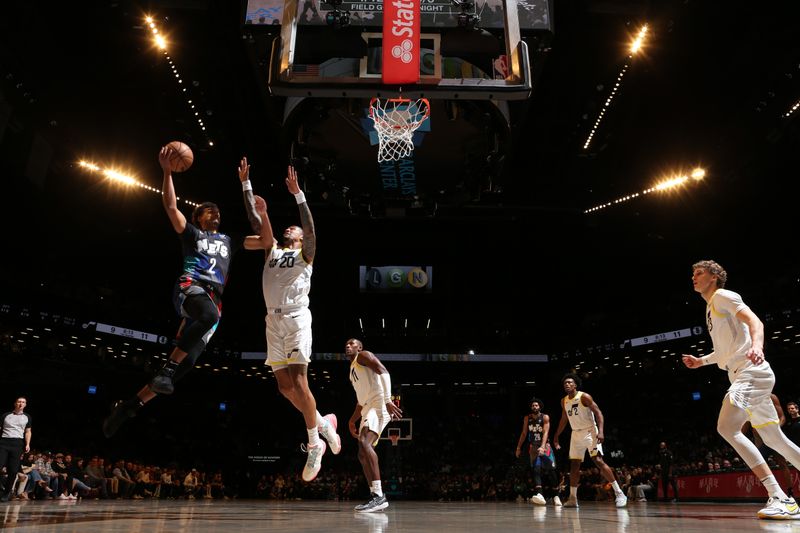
{"x": 244, "y": 170}
{"x": 291, "y": 180}
{"x": 395, "y": 412}
{"x": 163, "y": 158}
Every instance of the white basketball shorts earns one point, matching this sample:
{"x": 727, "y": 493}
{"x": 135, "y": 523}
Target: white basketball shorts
{"x": 289, "y": 339}
{"x": 582, "y": 441}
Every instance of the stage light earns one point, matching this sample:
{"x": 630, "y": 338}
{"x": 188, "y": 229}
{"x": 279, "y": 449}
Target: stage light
{"x": 792, "y": 109}
{"x": 161, "y": 43}
{"x": 638, "y": 42}
{"x": 666, "y": 185}
{"x": 635, "y": 48}
{"x": 119, "y": 177}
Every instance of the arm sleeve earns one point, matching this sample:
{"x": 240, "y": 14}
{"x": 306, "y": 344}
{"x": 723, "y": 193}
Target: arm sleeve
{"x": 386, "y": 384}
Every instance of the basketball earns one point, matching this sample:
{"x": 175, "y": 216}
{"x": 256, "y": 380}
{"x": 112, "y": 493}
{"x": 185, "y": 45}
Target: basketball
{"x": 181, "y": 158}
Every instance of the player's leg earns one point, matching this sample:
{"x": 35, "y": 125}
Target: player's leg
{"x": 730, "y": 415}
{"x": 785, "y": 449}
{"x": 373, "y": 422}
{"x": 297, "y": 341}
{"x": 578, "y": 446}
{"x": 620, "y": 499}
{"x": 549, "y": 479}
{"x": 125, "y": 409}
{"x": 204, "y": 316}
{"x": 536, "y": 459}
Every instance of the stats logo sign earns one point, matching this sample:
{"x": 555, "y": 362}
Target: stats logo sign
{"x": 395, "y": 279}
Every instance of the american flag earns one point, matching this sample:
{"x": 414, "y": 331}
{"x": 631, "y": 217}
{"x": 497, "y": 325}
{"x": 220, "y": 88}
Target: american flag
{"x": 305, "y": 70}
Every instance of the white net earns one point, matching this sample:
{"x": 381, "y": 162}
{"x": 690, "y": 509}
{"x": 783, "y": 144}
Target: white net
{"x": 396, "y": 120}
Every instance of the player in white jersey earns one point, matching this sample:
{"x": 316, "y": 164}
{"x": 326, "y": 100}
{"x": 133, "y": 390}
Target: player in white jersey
{"x": 286, "y": 284}
{"x": 738, "y": 338}
{"x": 587, "y": 423}
{"x": 375, "y": 408}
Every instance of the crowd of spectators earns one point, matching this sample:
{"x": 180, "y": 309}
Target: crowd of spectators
{"x": 63, "y": 476}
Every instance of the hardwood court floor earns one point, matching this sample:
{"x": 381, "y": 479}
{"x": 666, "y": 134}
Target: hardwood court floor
{"x": 322, "y": 516}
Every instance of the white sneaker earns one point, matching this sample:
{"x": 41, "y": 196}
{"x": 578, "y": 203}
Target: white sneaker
{"x": 62, "y": 497}
{"x": 778, "y": 509}
{"x": 314, "y": 461}
{"x": 571, "y": 502}
{"x": 538, "y": 499}
{"x": 556, "y": 501}
{"x": 328, "y": 431}
{"x": 621, "y": 500}
{"x": 72, "y": 497}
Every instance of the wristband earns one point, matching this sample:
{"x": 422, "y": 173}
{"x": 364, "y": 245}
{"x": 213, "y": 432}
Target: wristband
{"x": 247, "y": 186}
{"x": 300, "y": 198}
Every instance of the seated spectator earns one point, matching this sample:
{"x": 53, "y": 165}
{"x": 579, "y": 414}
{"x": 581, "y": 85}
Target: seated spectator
{"x": 126, "y": 484}
{"x": 191, "y": 484}
{"x": 96, "y": 477}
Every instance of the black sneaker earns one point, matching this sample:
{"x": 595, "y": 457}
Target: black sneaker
{"x": 121, "y": 411}
{"x": 162, "y": 383}
{"x": 375, "y": 503}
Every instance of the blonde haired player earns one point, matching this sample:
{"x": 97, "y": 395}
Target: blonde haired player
{"x": 586, "y": 421}
{"x": 286, "y": 283}
{"x": 738, "y": 338}
{"x": 375, "y": 408}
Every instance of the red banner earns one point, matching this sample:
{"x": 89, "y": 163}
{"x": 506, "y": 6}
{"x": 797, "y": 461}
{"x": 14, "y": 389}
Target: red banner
{"x": 401, "y": 51}
{"x": 727, "y": 485}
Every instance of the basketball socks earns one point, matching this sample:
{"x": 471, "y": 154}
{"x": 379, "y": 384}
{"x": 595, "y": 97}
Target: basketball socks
{"x": 773, "y": 489}
{"x": 617, "y": 490}
{"x": 313, "y": 436}
{"x": 573, "y": 492}
{"x": 320, "y": 420}
{"x": 375, "y": 488}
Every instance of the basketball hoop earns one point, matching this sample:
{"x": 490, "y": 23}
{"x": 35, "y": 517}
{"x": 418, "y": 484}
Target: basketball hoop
{"x": 396, "y": 120}
{"x": 394, "y": 435}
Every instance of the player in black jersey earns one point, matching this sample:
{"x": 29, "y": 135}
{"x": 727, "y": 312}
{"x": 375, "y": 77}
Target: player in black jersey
{"x": 536, "y": 431}
{"x": 206, "y": 258}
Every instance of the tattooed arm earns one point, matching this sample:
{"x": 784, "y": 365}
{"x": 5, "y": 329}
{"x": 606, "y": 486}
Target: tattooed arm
{"x": 249, "y": 199}
{"x": 306, "y": 220}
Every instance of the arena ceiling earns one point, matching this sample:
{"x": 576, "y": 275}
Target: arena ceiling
{"x": 713, "y": 87}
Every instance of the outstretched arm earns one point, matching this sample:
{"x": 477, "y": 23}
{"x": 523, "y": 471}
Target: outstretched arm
{"x": 249, "y": 200}
{"x": 264, "y": 240}
{"x": 168, "y": 197}
{"x": 306, "y": 220}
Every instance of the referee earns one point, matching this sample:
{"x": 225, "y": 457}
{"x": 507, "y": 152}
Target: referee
{"x": 15, "y": 439}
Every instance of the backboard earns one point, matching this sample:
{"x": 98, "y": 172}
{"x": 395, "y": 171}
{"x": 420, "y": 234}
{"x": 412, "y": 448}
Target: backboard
{"x": 404, "y": 427}
{"x": 468, "y": 50}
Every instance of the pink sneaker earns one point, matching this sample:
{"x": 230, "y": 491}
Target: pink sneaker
{"x": 314, "y": 461}
{"x": 328, "y": 431}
